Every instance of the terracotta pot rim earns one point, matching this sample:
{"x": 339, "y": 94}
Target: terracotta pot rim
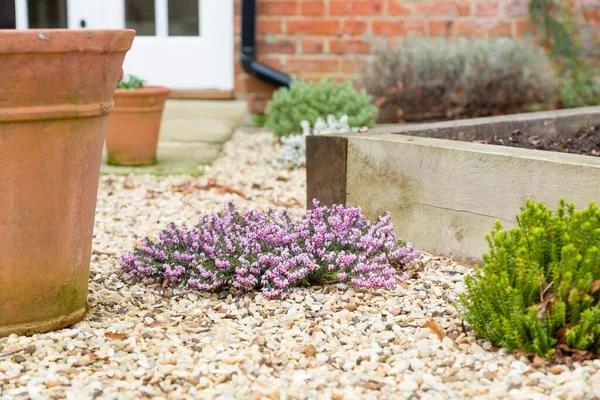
{"x": 143, "y": 92}
{"x": 65, "y": 40}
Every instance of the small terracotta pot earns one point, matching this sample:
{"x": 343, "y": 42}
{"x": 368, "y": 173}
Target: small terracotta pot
{"x": 56, "y": 91}
{"x": 134, "y": 126}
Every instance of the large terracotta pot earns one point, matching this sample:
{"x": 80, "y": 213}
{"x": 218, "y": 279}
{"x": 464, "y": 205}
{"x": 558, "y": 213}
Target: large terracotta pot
{"x": 134, "y": 126}
{"x": 56, "y": 90}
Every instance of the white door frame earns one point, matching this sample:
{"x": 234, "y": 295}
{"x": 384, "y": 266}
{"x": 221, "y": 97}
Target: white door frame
{"x": 179, "y": 62}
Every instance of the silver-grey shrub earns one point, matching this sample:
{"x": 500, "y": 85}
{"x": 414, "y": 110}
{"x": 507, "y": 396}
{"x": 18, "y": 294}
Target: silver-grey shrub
{"x": 425, "y": 78}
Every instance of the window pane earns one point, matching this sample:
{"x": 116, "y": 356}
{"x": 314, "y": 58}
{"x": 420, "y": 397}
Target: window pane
{"x": 183, "y": 18}
{"x": 8, "y": 17}
{"x": 47, "y": 14}
{"x": 140, "y": 15}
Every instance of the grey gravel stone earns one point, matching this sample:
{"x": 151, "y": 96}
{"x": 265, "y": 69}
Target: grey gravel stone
{"x": 320, "y": 343}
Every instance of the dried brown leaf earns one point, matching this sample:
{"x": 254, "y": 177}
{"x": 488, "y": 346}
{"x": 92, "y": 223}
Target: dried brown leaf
{"x": 381, "y": 101}
{"x": 286, "y": 204}
{"x": 222, "y": 189}
{"x": 116, "y": 336}
{"x": 11, "y": 352}
{"x": 395, "y": 90}
{"x": 229, "y": 189}
{"x": 372, "y": 385}
{"x": 562, "y": 332}
{"x": 186, "y": 187}
{"x": 539, "y": 361}
{"x": 594, "y": 287}
{"x": 523, "y": 353}
{"x": 578, "y": 355}
{"x": 542, "y": 306}
{"x": 97, "y": 252}
{"x": 158, "y": 323}
{"x": 435, "y": 328}
{"x": 152, "y": 194}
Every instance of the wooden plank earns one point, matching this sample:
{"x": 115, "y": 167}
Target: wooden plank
{"x": 202, "y": 94}
{"x": 326, "y": 159}
{"x": 550, "y": 124}
{"x": 445, "y": 195}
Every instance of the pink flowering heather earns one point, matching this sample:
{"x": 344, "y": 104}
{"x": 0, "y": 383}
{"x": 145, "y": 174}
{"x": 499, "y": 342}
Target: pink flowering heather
{"x": 273, "y": 252}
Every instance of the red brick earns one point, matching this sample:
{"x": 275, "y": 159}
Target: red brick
{"x": 257, "y": 102}
{"x": 313, "y": 46}
{"x": 237, "y": 67}
{"x": 268, "y": 25}
{"x": 238, "y": 85}
{"x": 394, "y": 27}
{"x": 441, "y": 27}
{"x": 502, "y": 28}
{"x": 349, "y": 46}
{"x": 591, "y": 13}
{"x": 277, "y": 46}
{"x": 483, "y": 27}
{"x": 319, "y": 77}
{"x": 237, "y": 25}
{"x": 350, "y": 66}
{"x": 272, "y": 60}
{"x": 311, "y": 77}
{"x": 308, "y": 65}
{"x": 487, "y": 8}
{"x": 444, "y": 7}
{"x": 524, "y": 27}
{"x": 356, "y": 7}
{"x": 516, "y": 8}
{"x": 355, "y": 27}
{"x": 273, "y": 7}
{"x": 396, "y": 8}
{"x": 312, "y": 7}
{"x": 311, "y": 26}
{"x": 249, "y": 84}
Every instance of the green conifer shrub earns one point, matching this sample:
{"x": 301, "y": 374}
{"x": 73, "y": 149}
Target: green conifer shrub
{"x": 304, "y": 101}
{"x": 538, "y": 288}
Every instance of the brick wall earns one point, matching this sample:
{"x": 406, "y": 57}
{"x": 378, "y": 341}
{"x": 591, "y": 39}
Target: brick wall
{"x": 311, "y": 39}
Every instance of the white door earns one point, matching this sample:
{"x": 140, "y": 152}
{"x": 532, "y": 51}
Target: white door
{"x": 182, "y": 44}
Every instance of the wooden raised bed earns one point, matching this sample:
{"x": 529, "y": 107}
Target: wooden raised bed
{"x": 444, "y": 194}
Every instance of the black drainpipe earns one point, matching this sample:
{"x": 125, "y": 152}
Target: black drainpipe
{"x": 248, "y": 50}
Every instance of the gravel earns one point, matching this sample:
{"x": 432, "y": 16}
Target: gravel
{"x": 138, "y": 342}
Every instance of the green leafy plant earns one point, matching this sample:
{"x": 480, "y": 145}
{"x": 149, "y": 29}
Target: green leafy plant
{"x": 131, "y": 82}
{"x": 304, "y": 101}
{"x": 580, "y": 86}
{"x": 562, "y": 29}
{"x": 435, "y": 79}
{"x": 259, "y": 120}
{"x": 539, "y": 286}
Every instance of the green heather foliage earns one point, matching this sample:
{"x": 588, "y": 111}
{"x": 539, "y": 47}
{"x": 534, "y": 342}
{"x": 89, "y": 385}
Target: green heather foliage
{"x": 539, "y": 286}
{"x": 131, "y": 82}
{"x": 304, "y": 101}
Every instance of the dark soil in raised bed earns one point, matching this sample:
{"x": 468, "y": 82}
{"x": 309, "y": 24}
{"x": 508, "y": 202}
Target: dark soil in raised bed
{"x": 585, "y": 141}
